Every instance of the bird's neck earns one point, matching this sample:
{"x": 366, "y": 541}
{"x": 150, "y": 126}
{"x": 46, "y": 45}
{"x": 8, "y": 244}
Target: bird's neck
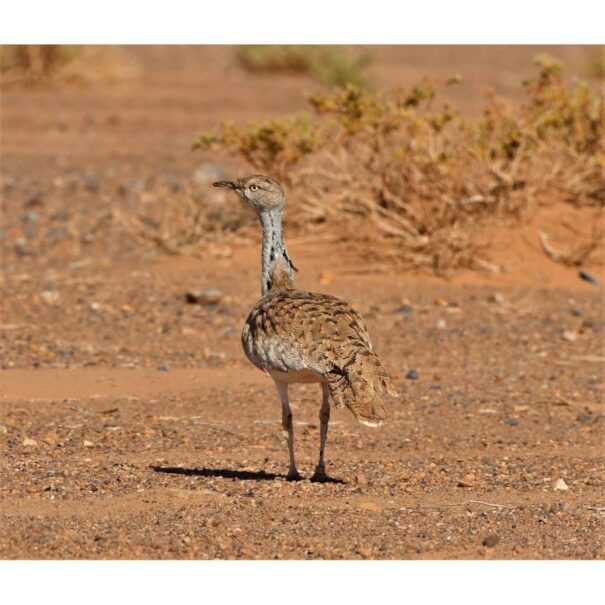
{"x": 274, "y": 247}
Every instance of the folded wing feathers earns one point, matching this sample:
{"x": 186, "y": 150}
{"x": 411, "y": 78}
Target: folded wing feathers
{"x": 295, "y": 330}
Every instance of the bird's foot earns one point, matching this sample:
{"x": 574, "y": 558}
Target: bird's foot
{"x": 293, "y": 475}
{"x": 319, "y": 476}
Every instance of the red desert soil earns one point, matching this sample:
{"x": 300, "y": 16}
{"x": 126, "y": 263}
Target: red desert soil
{"x": 131, "y": 425}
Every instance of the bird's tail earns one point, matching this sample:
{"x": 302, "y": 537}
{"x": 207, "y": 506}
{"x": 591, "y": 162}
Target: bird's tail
{"x": 359, "y": 384}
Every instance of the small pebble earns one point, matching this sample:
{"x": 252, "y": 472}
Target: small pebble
{"x": 21, "y": 246}
{"x": 561, "y": 486}
{"x": 138, "y": 185}
{"x": 34, "y": 200}
{"x": 491, "y": 540}
{"x": 210, "y": 296}
{"x": 175, "y": 185}
{"x": 90, "y": 182}
{"x": 50, "y": 296}
{"x": 57, "y": 233}
{"x": 440, "y": 324}
{"x": 588, "y": 277}
{"x": 569, "y": 335}
{"x": 512, "y": 421}
{"x": 412, "y": 375}
{"x": 162, "y": 368}
{"x": 31, "y": 217}
{"x": 405, "y": 310}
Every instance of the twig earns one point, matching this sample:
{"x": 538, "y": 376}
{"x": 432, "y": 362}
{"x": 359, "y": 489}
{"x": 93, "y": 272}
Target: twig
{"x": 490, "y": 504}
{"x": 571, "y": 258}
{"x": 509, "y": 506}
{"x": 441, "y": 505}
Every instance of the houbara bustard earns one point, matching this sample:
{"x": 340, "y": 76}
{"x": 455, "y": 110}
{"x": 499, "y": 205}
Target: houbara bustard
{"x": 298, "y": 336}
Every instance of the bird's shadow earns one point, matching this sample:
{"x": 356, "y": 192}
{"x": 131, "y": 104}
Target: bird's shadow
{"x": 228, "y": 473}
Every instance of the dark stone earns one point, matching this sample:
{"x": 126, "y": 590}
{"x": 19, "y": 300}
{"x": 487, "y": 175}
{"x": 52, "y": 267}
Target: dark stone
{"x": 90, "y": 182}
{"x": 491, "y": 540}
{"x": 412, "y": 375}
{"x": 34, "y": 200}
{"x": 588, "y": 277}
{"x": 163, "y": 368}
{"x": 405, "y": 310}
{"x": 512, "y": 421}
{"x": 175, "y": 185}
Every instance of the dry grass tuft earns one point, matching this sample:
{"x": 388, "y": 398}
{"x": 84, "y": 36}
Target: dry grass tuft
{"x": 332, "y": 65}
{"x": 38, "y": 65}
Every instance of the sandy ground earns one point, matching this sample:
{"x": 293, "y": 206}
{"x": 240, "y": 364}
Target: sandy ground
{"x": 131, "y": 425}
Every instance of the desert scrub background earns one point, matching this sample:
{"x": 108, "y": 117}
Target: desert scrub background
{"x": 407, "y": 179}
{"x": 60, "y": 64}
{"x": 333, "y": 65}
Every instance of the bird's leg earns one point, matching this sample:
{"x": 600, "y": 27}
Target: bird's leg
{"x": 324, "y": 419}
{"x": 282, "y": 389}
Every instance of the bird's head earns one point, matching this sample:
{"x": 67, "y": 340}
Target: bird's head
{"x": 258, "y": 191}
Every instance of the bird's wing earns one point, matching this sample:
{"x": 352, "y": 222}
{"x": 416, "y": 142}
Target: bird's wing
{"x": 296, "y": 330}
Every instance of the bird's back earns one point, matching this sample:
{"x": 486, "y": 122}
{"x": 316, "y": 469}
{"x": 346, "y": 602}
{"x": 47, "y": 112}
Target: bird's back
{"x": 305, "y": 333}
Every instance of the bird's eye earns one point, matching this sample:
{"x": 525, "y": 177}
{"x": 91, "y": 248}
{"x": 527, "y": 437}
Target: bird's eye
{"x": 253, "y": 187}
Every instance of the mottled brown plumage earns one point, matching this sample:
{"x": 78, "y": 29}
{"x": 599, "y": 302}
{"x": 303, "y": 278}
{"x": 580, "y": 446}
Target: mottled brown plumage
{"x": 298, "y": 336}
{"x": 296, "y": 331}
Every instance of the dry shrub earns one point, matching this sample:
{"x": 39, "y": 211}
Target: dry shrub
{"x": 419, "y": 182}
{"x": 332, "y": 65}
{"x": 36, "y": 64}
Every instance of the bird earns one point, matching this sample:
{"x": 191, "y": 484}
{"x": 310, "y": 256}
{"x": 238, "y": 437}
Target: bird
{"x": 297, "y": 336}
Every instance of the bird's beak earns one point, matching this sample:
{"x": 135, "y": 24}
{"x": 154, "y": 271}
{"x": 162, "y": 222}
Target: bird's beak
{"x": 228, "y": 184}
